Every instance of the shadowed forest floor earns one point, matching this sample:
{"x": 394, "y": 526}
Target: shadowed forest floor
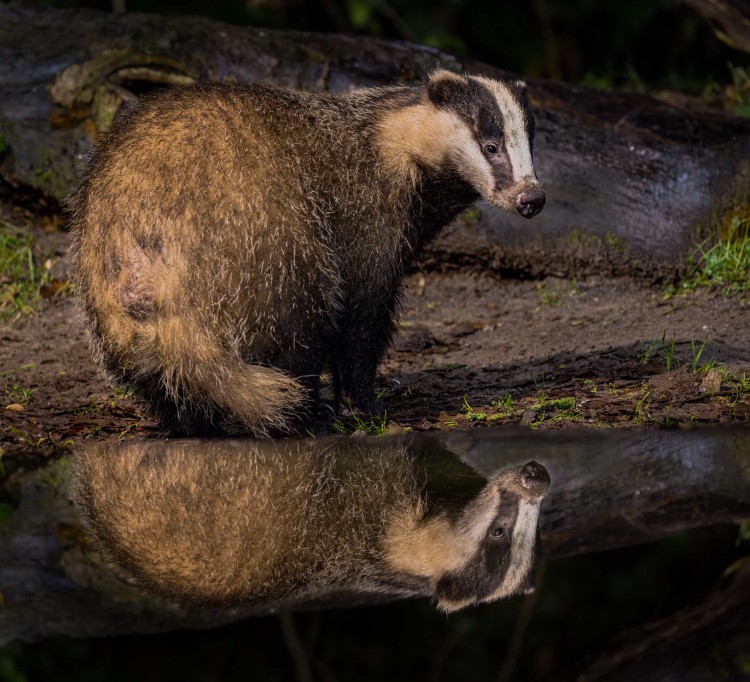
{"x": 473, "y": 351}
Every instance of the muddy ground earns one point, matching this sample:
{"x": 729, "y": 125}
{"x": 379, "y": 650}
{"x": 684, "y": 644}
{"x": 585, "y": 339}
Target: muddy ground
{"x": 474, "y": 351}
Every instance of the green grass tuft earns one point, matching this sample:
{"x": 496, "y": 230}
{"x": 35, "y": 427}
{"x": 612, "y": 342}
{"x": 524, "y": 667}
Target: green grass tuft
{"x": 471, "y": 414}
{"x": 377, "y": 425}
{"x": 20, "y": 279}
{"x": 721, "y": 262}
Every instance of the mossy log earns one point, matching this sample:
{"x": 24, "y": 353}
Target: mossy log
{"x": 628, "y": 178}
{"x": 608, "y": 490}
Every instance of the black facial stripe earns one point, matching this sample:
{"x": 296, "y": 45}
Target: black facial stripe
{"x": 484, "y": 115}
{"x": 470, "y": 584}
{"x": 487, "y": 569}
{"x": 503, "y": 170}
{"x": 473, "y": 103}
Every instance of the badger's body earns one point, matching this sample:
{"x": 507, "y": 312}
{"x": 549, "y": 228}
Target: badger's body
{"x": 269, "y": 525}
{"x": 232, "y": 241}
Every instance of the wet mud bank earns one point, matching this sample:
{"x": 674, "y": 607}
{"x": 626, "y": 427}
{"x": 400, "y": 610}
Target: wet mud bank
{"x": 473, "y": 350}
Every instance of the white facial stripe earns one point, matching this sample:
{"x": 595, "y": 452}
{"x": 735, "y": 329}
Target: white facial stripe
{"x": 517, "y": 143}
{"x": 477, "y": 518}
{"x": 521, "y": 549}
{"x": 467, "y": 156}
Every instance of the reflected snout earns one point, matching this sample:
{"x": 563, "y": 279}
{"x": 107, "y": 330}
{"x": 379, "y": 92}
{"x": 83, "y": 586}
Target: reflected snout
{"x": 530, "y": 202}
{"x": 535, "y": 478}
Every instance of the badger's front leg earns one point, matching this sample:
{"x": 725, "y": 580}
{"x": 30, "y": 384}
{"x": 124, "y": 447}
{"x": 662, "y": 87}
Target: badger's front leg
{"x": 360, "y": 348}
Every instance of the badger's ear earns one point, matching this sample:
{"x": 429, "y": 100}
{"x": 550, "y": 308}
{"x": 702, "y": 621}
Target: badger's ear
{"x": 452, "y": 593}
{"x": 518, "y": 88}
{"x": 443, "y": 87}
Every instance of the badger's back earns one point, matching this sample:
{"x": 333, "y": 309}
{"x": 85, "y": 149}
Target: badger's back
{"x": 189, "y": 187}
{"x": 228, "y": 523}
{"x": 201, "y": 249}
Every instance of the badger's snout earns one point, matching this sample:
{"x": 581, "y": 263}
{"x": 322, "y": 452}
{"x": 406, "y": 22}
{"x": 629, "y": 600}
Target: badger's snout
{"x": 530, "y": 202}
{"x": 535, "y": 478}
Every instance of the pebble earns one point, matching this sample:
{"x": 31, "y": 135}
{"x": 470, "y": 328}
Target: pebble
{"x": 711, "y": 383}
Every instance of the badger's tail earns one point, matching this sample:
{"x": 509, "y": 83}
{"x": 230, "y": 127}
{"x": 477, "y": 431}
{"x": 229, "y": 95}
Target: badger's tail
{"x": 198, "y": 374}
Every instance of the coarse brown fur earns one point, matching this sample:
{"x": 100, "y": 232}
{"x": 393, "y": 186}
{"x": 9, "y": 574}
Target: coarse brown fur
{"x": 267, "y": 525}
{"x": 234, "y": 240}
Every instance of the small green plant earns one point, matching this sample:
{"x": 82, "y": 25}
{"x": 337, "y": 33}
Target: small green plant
{"x": 697, "y": 352}
{"x": 504, "y": 403}
{"x": 450, "y": 366}
{"x": 471, "y": 414}
{"x": 668, "y": 349}
{"x": 739, "y": 385}
{"x": 547, "y": 296}
{"x": 20, "y": 279}
{"x": 646, "y": 353}
{"x": 128, "y": 430}
{"x": 555, "y": 410}
{"x": 92, "y": 408}
{"x": 377, "y": 425}
{"x": 19, "y": 394}
{"x": 641, "y": 413}
{"x": 125, "y": 391}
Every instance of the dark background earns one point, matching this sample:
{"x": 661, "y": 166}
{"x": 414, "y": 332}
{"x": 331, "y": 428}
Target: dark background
{"x": 638, "y": 43}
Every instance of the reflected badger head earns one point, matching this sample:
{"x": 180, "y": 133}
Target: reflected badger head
{"x": 483, "y": 552}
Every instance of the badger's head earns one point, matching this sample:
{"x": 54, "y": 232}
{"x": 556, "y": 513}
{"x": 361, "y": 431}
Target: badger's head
{"x": 479, "y": 128}
{"x": 485, "y": 552}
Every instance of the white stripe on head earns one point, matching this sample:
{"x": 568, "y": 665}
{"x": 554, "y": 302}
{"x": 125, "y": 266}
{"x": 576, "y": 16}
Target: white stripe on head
{"x": 517, "y": 143}
{"x": 522, "y": 550}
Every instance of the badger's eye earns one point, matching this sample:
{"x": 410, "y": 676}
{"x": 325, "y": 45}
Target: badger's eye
{"x": 497, "y": 532}
{"x": 490, "y": 148}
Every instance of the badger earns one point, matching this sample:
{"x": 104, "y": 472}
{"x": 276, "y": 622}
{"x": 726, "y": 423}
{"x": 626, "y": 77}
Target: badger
{"x": 232, "y": 241}
{"x": 276, "y": 524}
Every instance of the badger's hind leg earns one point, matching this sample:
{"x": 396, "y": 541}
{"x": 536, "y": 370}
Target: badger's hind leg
{"x": 180, "y": 414}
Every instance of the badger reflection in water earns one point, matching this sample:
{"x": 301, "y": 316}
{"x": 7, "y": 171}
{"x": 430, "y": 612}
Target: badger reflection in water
{"x": 269, "y": 525}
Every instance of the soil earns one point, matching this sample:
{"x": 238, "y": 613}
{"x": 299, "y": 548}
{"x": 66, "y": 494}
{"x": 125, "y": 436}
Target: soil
{"x": 474, "y": 350}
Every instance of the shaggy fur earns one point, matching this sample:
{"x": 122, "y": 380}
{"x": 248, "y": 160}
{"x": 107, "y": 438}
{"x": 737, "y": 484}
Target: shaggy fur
{"x": 233, "y": 240}
{"x": 277, "y": 524}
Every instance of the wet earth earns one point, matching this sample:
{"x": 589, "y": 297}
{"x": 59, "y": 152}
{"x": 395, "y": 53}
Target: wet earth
{"x": 474, "y": 351}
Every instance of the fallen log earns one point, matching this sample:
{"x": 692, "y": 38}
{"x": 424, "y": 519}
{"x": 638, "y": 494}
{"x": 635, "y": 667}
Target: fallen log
{"x": 628, "y": 178}
{"x": 608, "y": 490}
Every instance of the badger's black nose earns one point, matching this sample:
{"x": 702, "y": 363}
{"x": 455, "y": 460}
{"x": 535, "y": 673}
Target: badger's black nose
{"x": 530, "y": 202}
{"x": 535, "y": 478}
